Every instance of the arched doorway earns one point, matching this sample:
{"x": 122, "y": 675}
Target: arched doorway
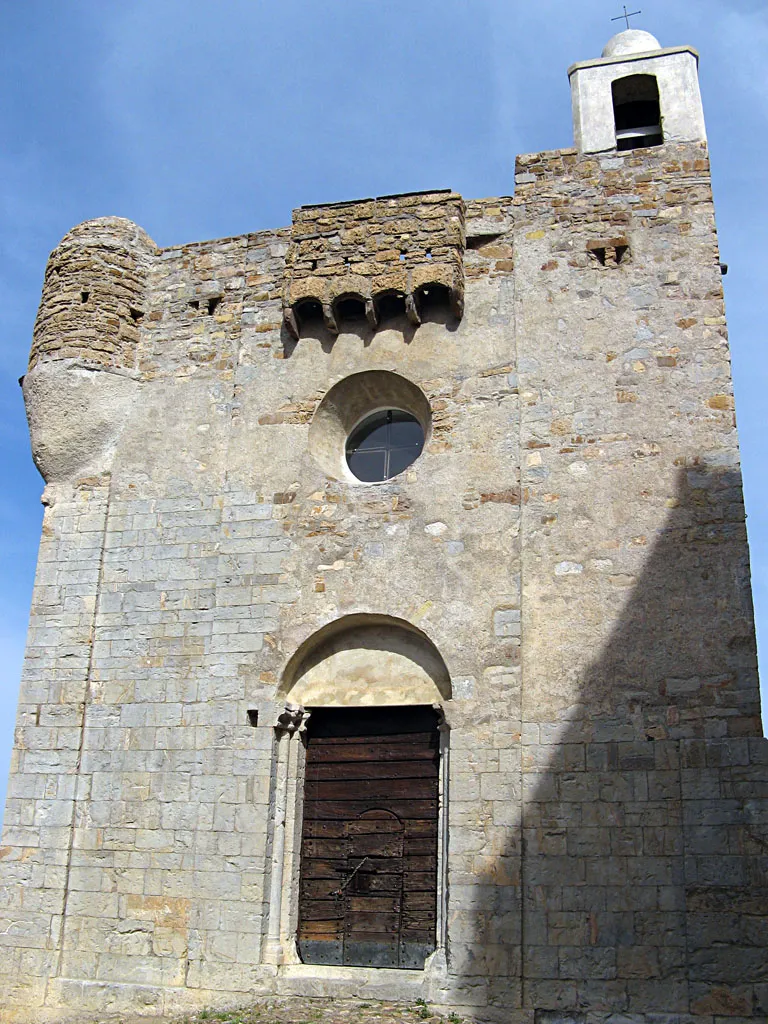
{"x": 370, "y": 816}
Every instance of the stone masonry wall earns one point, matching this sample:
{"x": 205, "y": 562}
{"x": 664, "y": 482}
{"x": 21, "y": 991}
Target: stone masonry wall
{"x": 218, "y": 560}
{"x": 639, "y": 662}
{"x": 571, "y": 540}
{"x": 43, "y": 787}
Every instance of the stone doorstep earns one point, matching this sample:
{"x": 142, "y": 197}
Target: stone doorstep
{"x": 345, "y": 982}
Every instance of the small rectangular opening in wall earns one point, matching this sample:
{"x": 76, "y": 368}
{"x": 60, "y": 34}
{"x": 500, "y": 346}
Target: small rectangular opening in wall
{"x": 213, "y": 304}
{"x": 609, "y": 252}
{"x": 84, "y": 296}
{"x": 136, "y": 314}
{"x": 478, "y": 241}
{"x": 253, "y": 717}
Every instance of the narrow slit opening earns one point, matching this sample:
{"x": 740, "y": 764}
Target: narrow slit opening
{"x": 478, "y": 241}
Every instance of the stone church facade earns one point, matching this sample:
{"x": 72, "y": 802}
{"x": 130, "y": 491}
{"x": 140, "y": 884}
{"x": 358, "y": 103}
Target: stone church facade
{"x": 392, "y": 628}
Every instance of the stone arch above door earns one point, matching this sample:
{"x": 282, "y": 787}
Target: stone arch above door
{"x": 366, "y": 660}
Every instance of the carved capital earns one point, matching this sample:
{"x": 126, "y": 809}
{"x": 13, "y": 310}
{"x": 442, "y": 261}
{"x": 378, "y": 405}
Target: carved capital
{"x": 444, "y": 724}
{"x": 293, "y": 718}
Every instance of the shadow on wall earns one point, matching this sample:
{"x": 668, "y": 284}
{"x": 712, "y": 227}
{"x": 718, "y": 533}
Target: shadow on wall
{"x": 637, "y": 879}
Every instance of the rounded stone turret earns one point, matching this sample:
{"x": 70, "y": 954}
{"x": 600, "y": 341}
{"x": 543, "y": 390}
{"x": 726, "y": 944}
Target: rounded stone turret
{"x": 81, "y": 385}
{"x": 93, "y": 294}
{"x": 631, "y": 40}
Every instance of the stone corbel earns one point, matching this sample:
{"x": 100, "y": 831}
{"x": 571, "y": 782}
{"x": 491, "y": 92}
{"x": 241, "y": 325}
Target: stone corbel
{"x": 329, "y": 318}
{"x": 291, "y": 322}
{"x": 370, "y": 313}
{"x": 411, "y": 309}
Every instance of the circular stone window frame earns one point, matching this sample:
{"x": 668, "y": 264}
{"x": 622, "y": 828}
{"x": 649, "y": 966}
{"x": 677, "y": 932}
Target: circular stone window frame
{"x": 352, "y": 400}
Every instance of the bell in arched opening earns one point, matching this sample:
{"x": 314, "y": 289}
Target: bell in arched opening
{"x": 637, "y": 112}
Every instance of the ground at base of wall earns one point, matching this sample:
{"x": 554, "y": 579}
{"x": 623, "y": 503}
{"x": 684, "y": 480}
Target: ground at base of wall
{"x": 298, "y": 1010}
{"x": 301, "y": 1010}
{"x": 305, "y": 1010}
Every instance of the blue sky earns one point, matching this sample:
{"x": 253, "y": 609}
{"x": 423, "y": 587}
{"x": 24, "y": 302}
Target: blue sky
{"x": 200, "y": 120}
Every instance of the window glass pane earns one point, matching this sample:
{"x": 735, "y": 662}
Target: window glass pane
{"x": 368, "y": 466}
{"x": 405, "y": 432}
{"x": 372, "y": 433}
{"x": 401, "y": 458}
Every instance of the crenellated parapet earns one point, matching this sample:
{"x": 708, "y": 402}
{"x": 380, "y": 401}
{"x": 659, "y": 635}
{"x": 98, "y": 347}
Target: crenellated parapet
{"x": 375, "y": 259}
{"x": 93, "y": 295}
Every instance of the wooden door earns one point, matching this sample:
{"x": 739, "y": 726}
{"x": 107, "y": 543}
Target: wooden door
{"x": 369, "y": 846}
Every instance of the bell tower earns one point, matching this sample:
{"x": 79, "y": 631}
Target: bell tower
{"x": 636, "y": 95}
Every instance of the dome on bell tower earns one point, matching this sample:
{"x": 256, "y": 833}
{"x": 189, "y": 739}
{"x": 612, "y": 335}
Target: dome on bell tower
{"x": 631, "y": 40}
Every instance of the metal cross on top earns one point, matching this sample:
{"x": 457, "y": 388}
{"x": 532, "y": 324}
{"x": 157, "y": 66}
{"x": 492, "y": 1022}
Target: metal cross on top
{"x": 626, "y": 16}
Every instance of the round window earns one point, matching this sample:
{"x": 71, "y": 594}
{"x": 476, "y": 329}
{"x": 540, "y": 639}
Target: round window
{"x": 384, "y": 444}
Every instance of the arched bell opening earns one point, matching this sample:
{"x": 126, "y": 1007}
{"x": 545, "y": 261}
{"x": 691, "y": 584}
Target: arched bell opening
{"x": 637, "y": 112}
